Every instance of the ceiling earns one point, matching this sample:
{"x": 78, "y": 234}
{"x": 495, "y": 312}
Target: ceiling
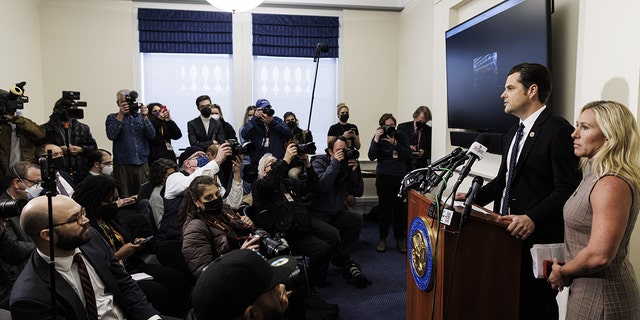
{"x": 380, "y": 5}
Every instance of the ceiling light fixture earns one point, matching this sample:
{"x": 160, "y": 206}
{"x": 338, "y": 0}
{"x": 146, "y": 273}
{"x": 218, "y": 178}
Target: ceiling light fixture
{"x": 235, "y": 5}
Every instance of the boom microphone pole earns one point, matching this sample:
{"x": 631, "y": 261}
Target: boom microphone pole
{"x": 320, "y": 47}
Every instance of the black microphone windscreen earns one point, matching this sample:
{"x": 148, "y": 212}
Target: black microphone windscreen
{"x": 322, "y": 46}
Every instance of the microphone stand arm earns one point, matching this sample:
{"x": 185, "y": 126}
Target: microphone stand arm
{"x": 313, "y": 91}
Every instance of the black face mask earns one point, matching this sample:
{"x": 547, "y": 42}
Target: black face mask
{"x": 59, "y": 164}
{"x": 420, "y": 125}
{"x": 213, "y": 206}
{"x": 108, "y": 211}
{"x": 344, "y": 117}
{"x": 205, "y": 112}
{"x": 292, "y": 124}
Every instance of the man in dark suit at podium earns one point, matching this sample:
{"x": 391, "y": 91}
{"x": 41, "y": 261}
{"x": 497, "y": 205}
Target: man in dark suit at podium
{"x": 532, "y": 186}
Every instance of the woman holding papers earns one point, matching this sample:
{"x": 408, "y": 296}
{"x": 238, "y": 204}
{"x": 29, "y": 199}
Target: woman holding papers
{"x": 600, "y": 216}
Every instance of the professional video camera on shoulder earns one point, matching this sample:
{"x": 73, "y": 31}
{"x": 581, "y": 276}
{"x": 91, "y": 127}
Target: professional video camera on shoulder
{"x": 131, "y": 99}
{"x": 67, "y": 106}
{"x": 13, "y": 100}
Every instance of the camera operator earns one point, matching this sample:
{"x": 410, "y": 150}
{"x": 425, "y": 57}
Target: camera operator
{"x": 209, "y": 227}
{"x": 391, "y": 149}
{"x": 418, "y": 132}
{"x": 339, "y": 175}
{"x": 15, "y": 245}
{"x": 19, "y": 136}
{"x": 281, "y": 207}
{"x": 233, "y": 196}
{"x": 301, "y": 137}
{"x": 130, "y": 130}
{"x": 269, "y": 133}
{"x": 166, "y": 130}
{"x": 77, "y": 135}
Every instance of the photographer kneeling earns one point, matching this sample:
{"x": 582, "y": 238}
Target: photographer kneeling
{"x": 281, "y": 204}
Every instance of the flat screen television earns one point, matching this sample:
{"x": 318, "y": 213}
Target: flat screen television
{"x": 479, "y": 54}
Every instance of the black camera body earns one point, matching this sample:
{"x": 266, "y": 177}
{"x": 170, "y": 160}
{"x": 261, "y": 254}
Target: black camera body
{"x": 14, "y": 99}
{"x": 70, "y": 106}
{"x": 247, "y": 147}
{"x": 271, "y": 246}
{"x": 11, "y": 207}
{"x": 389, "y": 131}
{"x": 306, "y": 148}
{"x": 350, "y": 153}
{"x": 131, "y": 99}
{"x": 268, "y": 111}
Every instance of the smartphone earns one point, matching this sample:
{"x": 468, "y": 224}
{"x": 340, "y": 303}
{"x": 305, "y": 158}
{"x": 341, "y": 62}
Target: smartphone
{"x": 163, "y": 109}
{"x": 146, "y": 240}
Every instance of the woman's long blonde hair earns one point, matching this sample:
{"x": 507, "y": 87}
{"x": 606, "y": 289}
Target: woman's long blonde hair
{"x": 620, "y": 153}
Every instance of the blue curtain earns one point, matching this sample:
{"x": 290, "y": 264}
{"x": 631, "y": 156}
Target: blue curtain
{"x": 180, "y": 31}
{"x": 294, "y": 36}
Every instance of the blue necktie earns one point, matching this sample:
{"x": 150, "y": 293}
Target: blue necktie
{"x": 512, "y": 168}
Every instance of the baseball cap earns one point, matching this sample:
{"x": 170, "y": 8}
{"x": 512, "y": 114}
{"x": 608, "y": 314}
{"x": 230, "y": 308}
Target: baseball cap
{"x": 235, "y": 280}
{"x": 261, "y": 103}
{"x": 187, "y": 153}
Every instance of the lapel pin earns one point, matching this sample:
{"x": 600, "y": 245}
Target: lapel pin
{"x": 532, "y": 134}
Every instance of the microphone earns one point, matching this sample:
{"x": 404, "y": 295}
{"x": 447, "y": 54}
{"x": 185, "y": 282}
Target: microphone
{"x": 446, "y": 158}
{"x": 475, "y": 152}
{"x": 450, "y": 165}
{"x": 471, "y": 194}
{"x": 320, "y": 47}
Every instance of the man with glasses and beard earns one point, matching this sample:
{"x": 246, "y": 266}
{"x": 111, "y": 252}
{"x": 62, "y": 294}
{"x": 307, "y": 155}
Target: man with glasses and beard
{"x": 90, "y": 282}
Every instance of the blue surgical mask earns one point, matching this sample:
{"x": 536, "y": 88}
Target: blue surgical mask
{"x": 202, "y": 161}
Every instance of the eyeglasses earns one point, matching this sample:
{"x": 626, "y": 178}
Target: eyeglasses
{"x": 107, "y": 163}
{"x": 33, "y": 183}
{"x": 76, "y": 218}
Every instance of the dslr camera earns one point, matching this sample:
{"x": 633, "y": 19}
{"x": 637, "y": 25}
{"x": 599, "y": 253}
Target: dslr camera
{"x": 389, "y": 131}
{"x": 306, "y": 148}
{"x": 13, "y": 100}
{"x": 246, "y": 148}
{"x": 271, "y": 246}
{"x": 134, "y": 106}
{"x": 350, "y": 153}
{"x": 69, "y": 104}
{"x": 268, "y": 111}
{"x": 11, "y": 207}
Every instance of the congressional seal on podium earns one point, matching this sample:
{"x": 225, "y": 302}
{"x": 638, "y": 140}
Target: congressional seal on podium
{"x": 421, "y": 237}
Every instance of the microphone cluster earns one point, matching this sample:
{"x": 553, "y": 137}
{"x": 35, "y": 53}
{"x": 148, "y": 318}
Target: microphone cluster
{"x": 425, "y": 179}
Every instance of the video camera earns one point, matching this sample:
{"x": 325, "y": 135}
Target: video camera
{"x": 13, "y": 100}
{"x": 389, "y": 131}
{"x": 11, "y": 207}
{"x": 67, "y": 106}
{"x": 271, "y": 246}
{"x": 134, "y": 106}
{"x": 246, "y": 148}
{"x": 306, "y": 148}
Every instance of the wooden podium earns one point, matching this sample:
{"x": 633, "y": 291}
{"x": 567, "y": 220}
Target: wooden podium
{"x": 486, "y": 272}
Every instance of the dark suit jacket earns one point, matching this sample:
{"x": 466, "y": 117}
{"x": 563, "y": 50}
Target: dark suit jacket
{"x": 32, "y": 298}
{"x": 425, "y": 144}
{"x": 546, "y": 174}
{"x": 198, "y": 137}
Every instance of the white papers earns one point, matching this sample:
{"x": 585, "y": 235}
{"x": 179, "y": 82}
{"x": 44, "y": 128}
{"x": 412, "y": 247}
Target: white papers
{"x": 541, "y": 252}
{"x": 141, "y": 276}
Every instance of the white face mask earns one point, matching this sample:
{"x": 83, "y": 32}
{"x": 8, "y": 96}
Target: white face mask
{"x": 215, "y": 116}
{"x": 33, "y": 191}
{"x": 107, "y": 170}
